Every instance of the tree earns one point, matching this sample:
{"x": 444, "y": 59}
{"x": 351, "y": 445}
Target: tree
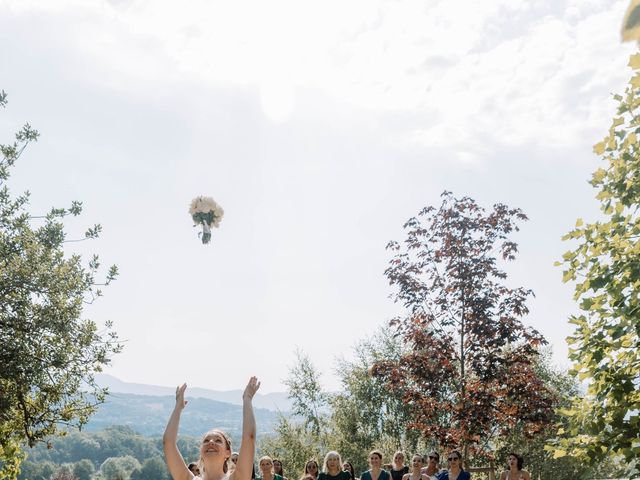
{"x": 605, "y": 264}
{"x": 48, "y": 352}
{"x": 152, "y": 469}
{"x": 367, "y": 413}
{"x": 37, "y": 470}
{"x": 538, "y": 460}
{"x": 305, "y": 434}
{"x": 83, "y": 470}
{"x": 65, "y": 472}
{"x": 309, "y": 401}
{"x": 119, "y": 468}
{"x": 468, "y": 372}
{"x": 292, "y": 444}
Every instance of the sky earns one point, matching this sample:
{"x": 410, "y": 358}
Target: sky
{"x": 320, "y": 128}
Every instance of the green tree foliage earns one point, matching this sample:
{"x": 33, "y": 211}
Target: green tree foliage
{"x": 605, "y": 264}
{"x": 65, "y": 472}
{"x": 152, "y": 469}
{"x": 115, "y": 441}
{"x": 468, "y": 372}
{"x": 292, "y": 444}
{"x": 367, "y": 413}
{"x": 539, "y": 461}
{"x": 83, "y": 470}
{"x": 11, "y": 454}
{"x": 304, "y": 434}
{"x": 309, "y": 401}
{"x": 364, "y": 414}
{"x": 37, "y": 470}
{"x": 86, "y": 451}
{"x": 49, "y": 353}
{"x": 119, "y": 468}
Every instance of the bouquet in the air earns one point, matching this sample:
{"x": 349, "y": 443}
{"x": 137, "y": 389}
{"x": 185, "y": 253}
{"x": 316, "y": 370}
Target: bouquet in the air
{"x": 206, "y": 212}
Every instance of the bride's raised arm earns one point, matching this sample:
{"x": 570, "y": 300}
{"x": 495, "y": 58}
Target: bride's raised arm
{"x": 247, "y": 451}
{"x": 175, "y": 462}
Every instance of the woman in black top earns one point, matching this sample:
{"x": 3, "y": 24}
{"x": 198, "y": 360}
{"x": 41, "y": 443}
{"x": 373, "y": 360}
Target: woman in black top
{"x": 332, "y": 468}
{"x": 348, "y": 467}
{"x": 375, "y": 472}
{"x": 398, "y": 468}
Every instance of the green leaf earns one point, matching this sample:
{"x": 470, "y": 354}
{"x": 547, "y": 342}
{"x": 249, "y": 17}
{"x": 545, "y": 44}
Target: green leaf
{"x": 599, "y": 174}
{"x": 599, "y": 148}
{"x": 559, "y": 453}
{"x": 634, "y": 61}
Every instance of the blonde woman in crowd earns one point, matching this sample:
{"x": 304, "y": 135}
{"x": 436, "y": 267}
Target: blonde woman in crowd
{"x": 332, "y": 468}
{"x": 398, "y": 469}
{"x": 267, "y": 470}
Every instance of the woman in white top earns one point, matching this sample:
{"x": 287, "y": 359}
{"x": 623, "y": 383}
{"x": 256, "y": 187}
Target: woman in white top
{"x": 515, "y": 462}
{"x": 215, "y": 449}
{"x": 417, "y": 462}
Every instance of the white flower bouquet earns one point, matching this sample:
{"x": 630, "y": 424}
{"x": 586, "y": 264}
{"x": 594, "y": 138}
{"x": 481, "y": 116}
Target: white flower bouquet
{"x": 206, "y": 212}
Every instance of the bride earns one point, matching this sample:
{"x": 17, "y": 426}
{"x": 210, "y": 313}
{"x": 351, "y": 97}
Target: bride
{"x": 215, "y": 449}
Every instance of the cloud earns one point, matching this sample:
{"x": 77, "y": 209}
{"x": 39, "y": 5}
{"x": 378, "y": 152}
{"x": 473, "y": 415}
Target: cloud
{"x": 492, "y": 72}
{"x": 320, "y": 126}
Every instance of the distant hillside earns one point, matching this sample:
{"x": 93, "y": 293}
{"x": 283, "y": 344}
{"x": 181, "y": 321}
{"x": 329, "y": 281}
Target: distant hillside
{"x": 148, "y": 415}
{"x": 277, "y": 401}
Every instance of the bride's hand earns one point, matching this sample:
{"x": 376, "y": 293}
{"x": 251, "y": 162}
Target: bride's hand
{"x": 251, "y": 388}
{"x": 180, "y": 401}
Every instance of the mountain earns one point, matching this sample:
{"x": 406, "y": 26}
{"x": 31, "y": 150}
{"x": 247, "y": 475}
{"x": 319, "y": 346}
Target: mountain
{"x": 277, "y": 401}
{"x": 148, "y": 415}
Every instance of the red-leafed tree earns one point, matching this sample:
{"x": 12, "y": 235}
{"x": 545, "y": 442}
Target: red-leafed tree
{"x": 469, "y": 370}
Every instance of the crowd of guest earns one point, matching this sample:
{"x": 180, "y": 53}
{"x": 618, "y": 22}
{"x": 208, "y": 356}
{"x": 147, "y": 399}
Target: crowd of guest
{"x": 421, "y": 467}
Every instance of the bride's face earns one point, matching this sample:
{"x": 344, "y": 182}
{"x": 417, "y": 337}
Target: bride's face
{"x": 214, "y": 445}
